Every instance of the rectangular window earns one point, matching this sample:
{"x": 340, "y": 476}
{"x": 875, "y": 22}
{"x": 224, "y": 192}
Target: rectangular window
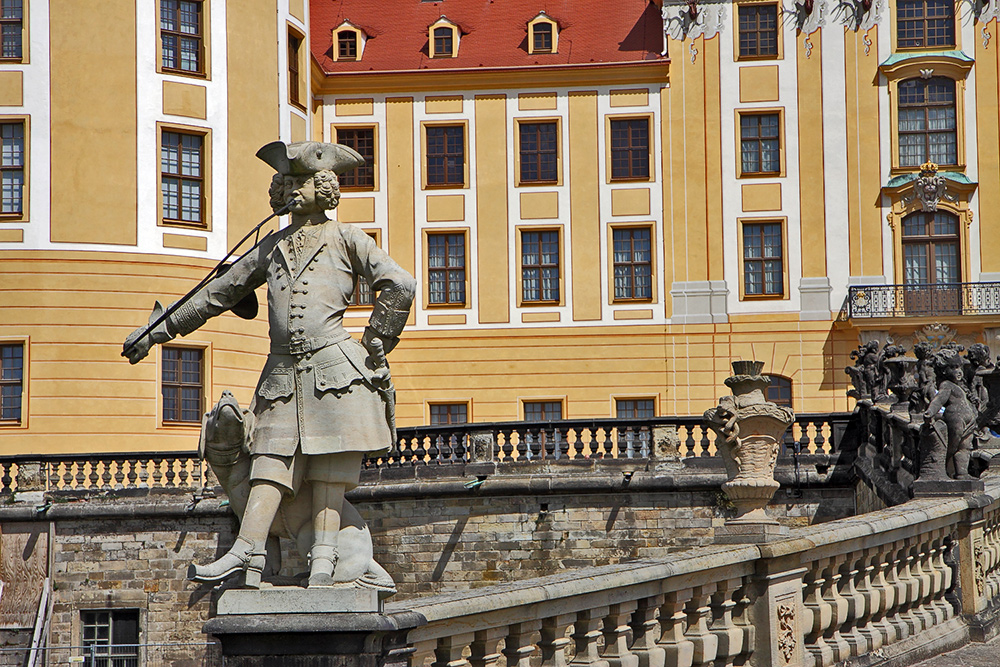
{"x": 540, "y": 266}
{"x": 181, "y": 36}
{"x": 361, "y": 139}
{"x": 925, "y": 23}
{"x": 445, "y": 155}
{"x": 760, "y": 143}
{"x": 347, "y": 45}
{"x": 539, "y": 152}
{"x": 12, "y": 168}
{"x": 928, "y": 122}
{"x": 449, "y": 413}
{"x": 758, "y": 31}
{"x": 183, "y": 384}
{"x": 11, "y": 382}
{"x": 634, "y": 408}
{"x": 537, "y": 411}
{"x": 11, "y": 29}
{"x": 110, "y": 637}
{"x": 630, "y": 149}
{"x": 633, "y": 263}
{"x": 294, "y": 44}
{"x": 763, "y": 265}
{"x": 182, "y": 178}
{"x": 446, "y": 269}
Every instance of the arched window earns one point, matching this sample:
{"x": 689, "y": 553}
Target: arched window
{"x": 925, "y": 23}
{"x": 927, "y": 122}
{"x": 780, "y": 391}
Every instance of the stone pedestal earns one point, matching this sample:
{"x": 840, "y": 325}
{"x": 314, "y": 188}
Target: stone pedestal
{"x": 341, "y": 626}
{"x": 734, "y": 532}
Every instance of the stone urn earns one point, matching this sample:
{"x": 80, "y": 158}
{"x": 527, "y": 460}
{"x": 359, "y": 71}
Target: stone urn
{"x": 750, "y": 430}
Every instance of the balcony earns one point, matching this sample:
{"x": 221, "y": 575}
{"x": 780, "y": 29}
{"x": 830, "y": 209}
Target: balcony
{"x": 922, "y": 300}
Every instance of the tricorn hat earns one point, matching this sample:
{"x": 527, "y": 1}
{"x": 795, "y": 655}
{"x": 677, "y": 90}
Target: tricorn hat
{"x": 308, "y": 157}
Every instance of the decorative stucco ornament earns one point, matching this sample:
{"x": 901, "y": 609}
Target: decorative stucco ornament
{"x": 786, "y": 631}
{"x": 750, "y": 429}
{"x": 983, "y": 11}
{"x": 688, "y": 19}
{"x": 930, "y": 188}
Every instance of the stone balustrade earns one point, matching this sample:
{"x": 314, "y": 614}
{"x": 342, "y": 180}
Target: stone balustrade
{"x": 893, "y": 584}
{"x": 502, "y": 442}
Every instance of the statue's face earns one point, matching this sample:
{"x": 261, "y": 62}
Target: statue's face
{"x": 301, "y": 189}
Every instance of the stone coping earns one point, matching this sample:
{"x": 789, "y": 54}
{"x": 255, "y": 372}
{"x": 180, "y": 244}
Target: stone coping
{"x": 597, "y": 586}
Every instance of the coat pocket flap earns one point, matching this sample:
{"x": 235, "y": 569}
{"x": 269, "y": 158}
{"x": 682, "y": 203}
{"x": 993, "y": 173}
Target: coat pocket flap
{"x": 336, "y": 374}
{"x": 278, "y": 384}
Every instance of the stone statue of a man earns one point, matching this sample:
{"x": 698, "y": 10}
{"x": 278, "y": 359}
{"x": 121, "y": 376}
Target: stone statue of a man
{"x": 321, "y": 403}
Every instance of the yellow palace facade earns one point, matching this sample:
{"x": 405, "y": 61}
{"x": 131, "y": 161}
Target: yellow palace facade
{"x": 602, "y": 209}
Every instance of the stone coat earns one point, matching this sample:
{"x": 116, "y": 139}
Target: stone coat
{"x": 316, "y": 389}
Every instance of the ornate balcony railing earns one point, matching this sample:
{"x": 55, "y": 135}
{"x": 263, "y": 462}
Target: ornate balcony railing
{"x": 502, "y": 442}
{"x": 922, "y": 300}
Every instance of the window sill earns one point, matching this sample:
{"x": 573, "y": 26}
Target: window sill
{"x": 358, "y": 188}
{"x": 439, "y": 306}
{"x": 183, "y": 72}
{"x": 182, "y": 224}
{"x": 763, "y": 297}
{"x": 631, "y": 179}
{"x": 764, "y": 58}
{"x": 760, "y": 174}
{"x": 445, "y": 186}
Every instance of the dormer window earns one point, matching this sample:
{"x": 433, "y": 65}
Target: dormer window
{"x": 443, "y": 43}
{"x": 348, "y": 42}
{"x": 443, "y": 39}
{"x": 543, "y": 34}
{"x": 347, "y": 45}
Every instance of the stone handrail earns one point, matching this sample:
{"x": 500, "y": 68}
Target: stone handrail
{"x": 891, "y": 581}
{"x": 560, "y": 441}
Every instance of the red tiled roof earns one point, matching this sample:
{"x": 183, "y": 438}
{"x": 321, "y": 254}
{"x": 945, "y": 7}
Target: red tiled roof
{"x": 494, "y": 32}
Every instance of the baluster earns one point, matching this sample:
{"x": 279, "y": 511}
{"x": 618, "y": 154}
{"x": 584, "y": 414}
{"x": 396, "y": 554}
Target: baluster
{"x": 507, "y": 449}
{"x": 448, "y": 652}
{"x": 644, "y": 632}
{"x": 526, "y": 445}
{"x": 461, "y": 446}
{"x": 831, "y": 593}
{"x": 728, "y": 635}
{"x": 170, "y": 476}
{"x": 819, "y": 441}
{"x": 520, "y": 643}
{"x": 921, "y": 573}
{"x": 741, "y": 617}
{"x": 156, "y": 473}
{"x": 143, "y": 473}
{"x": 936, "y": 579}
{"x": 688, "y": 446}
{"x": 822, "y": 615}
{"x": 886, "y": 595}
{"x": 893, "y": 578}
{"x": 120, "y": 474}
{"x": 80, "y": 479}
{"x": 616, "y": 629}
{"x": 909, "y": 614}
{"x": 947, "y": 575}
{"x": 678, "y": 649}
{"x": 484, "y": 647}
{"x": 430, "y": 449}
{"x": 521, "y": 447}
{"x": 586, "y": 633}
{"x": 6, "y": 479}
{"x": 645, "y": 435}
{"x": 871, "y": 633}
{"x": 578, "y": 444}
{"x": 705, "y": 442}
{"x": 851, "y": 571}
{"x": 699, "y": 612}
{"x": 553, "y": 641}
{"x": 55, "y": 475}
{"x": 564, "y": 444}
{"x": 421, "y": 652}
{"x": 552, "y": 444}
{"x": 629, "y": 442}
